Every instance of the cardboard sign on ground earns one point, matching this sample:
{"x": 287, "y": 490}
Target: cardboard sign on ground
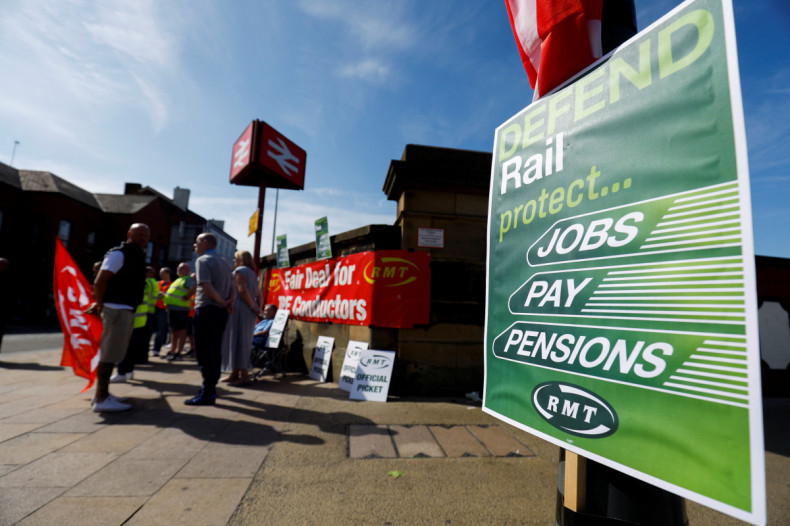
{"x": 374, "y": 373}
{"x": 350, "y": 362}
{"x": 321, "y": 358}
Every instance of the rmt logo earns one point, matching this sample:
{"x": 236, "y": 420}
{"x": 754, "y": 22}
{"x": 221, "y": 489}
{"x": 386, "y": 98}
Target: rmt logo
{"x": 376, "y": 361}
{"x": 575, "y": 410}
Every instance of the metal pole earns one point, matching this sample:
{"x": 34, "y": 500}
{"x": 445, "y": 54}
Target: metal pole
{"x": 261, "y": 199}
{"x": 13, "y": 153}
{"x": 274, "y": 227}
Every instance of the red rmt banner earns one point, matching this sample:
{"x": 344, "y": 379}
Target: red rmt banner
{"x": 81, "y": 332}
{"x": 386, "y": 288}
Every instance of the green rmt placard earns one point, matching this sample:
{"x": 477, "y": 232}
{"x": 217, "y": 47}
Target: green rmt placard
{"x": 621, "y": 317}
{"x": 283, "y": 257}
{"x": 323, "y": 246}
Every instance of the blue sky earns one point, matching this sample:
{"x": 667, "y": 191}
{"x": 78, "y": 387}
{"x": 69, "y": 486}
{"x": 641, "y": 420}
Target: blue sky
{"x": 156, "y": 92}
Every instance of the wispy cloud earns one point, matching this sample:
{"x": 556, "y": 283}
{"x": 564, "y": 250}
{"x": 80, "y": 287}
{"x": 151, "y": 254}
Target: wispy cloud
{"x": 89, "y": 55}
{"x": 369, "y": 70}
{"x": 372, "y": 25}
{"x": 296, "y": 213}
{"x": 769, "y": 150}
{"x": 134, "y": 30}
{"x": 368, "y": 36}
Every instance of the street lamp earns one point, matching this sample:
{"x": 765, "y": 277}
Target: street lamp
{"x": 13, "y": 153}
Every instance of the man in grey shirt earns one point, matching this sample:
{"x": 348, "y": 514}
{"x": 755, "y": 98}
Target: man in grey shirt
{"x": 213, "y": 302}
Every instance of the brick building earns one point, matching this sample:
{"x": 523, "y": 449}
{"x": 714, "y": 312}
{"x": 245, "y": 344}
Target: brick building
{"x": 36, "y": 207}
{"x": 437, "y": 188}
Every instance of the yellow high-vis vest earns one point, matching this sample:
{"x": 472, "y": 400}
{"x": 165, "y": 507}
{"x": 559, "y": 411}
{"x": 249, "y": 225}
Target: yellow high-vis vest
{"x": 177, "y": 294}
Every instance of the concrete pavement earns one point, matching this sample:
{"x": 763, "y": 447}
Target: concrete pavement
{"x": 282, "y": 451}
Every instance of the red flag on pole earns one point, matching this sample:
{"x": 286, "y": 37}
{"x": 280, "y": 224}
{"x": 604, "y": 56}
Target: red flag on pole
{"x": 556, "y": 38}
{"x": 81, "y": 332}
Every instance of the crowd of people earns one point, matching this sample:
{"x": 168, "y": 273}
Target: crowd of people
{"x": 214, "y": 310}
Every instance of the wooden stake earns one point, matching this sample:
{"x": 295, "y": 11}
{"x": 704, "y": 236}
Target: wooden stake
{"x": 575, "y": 481}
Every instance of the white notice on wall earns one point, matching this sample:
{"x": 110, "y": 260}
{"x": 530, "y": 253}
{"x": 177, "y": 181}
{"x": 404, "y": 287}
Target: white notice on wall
{"x": 430, "y": 237}
{"x": 374, "y": 372}
{"x": 323, "y": 353}
{"x": 350, "y": 362}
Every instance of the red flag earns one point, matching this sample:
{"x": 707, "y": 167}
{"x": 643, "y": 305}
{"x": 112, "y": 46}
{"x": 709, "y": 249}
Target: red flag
{"x": 556, "y": 38}
{"x": 81, "y": 332}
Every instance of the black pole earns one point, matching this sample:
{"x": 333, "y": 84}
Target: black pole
{"x": 611, "y": 498}
{"x": 616, "y": 499}
{"x": 274, "y": 226}
{"x": 261, "y": 199}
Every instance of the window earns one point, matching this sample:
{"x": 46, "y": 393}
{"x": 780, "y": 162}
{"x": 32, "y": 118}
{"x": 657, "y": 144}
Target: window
{"x": 64, "y": 231}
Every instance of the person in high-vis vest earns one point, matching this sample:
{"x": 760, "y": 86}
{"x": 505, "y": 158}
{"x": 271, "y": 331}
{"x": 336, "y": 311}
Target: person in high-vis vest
{"x": 160, "y": 313}
{"x": 137, "y": 351}
{"x": 177, "y": 300}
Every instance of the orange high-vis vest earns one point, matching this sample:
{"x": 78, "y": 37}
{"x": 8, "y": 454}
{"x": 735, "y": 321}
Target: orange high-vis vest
{"x": 163, "y": 286}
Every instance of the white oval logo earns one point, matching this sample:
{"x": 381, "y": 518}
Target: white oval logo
{"x": 376, "y": 361}
{"x": 575, "y": 410}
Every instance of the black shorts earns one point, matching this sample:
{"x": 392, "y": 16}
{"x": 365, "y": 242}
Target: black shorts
{"x": 178, "y": 319}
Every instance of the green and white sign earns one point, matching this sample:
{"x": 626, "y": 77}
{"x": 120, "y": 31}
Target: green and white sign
{"x": 321, "y": 358}
{"x": 350, "y": 363}
{"x": 323, "y": 246}
{"x": 373, "y": 376}
{"x": 621, "y": 315}
{"x": 283, "y": 257}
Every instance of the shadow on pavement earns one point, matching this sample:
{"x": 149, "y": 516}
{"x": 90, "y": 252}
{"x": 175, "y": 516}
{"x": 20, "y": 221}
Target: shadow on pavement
{"x": 158, "y": 412}
{"x": 30, "y": 366}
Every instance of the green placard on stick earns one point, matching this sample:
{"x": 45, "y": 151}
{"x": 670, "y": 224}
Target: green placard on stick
{"x": 283, "y": 257}
{"x": 621, "y": 303}
{"x": 323, "y": 246}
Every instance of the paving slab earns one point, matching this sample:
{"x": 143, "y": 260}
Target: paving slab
{"x": 17, "y": 503}
{"x": 8, "y": 431}
{"x": 192, "y": 501}
{"x": 415, "y": 441}
{"x": 85, "y": 421}
{"x": 128, "y": 478}
{"x": 457, "y": 441}
{"x": 248, "y": 433}
{"x": 44, "y": 415}
{"x": 500, "y": 442}
{"x": 113, "y": 439}
{"x": 225, "y": 461}
{"x": 173, "y": 443}
{"x": 59, "y": 470}
{"x": 370, "y": 441}
{"x": 23, "y": 404}
{"x": 85, "y": 511}
{"x": 31, "y": 446}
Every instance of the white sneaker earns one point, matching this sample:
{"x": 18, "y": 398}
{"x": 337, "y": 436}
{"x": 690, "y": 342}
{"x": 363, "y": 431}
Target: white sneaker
{"x": 116, "y": 398}
{"x": 110, "y": 405}
{"x": 119, "y": 378}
